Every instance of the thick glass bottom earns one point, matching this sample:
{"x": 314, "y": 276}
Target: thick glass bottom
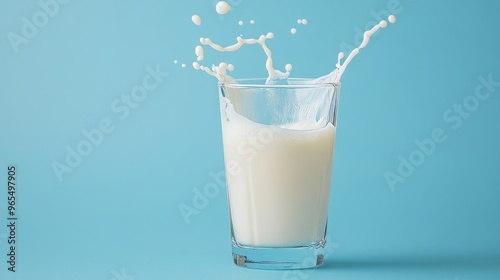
{"x": 279, "y": 257}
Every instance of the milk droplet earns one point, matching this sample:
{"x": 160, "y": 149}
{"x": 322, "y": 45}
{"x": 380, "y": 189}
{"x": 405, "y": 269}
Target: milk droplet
{"x": 288, "y": 67}
{"x": 252, "y": 21}
{"x": 230, "y": 67}
{"x": 299, "y": 21}
{"x": 199, "y": 53}
{"x": 383, "y": 24}
{"x": 183, "y": 65}
{"x": 293, "y": 30}
{"x": 304, "y": 21}
{"x": 392, "y": 19}
{"x": 222, "y": 7}
{"x": 175, "y": 61}
{"x": 196, "y": 65}
{"x": 196, "y": 19}
{"x": 240, "y": 22}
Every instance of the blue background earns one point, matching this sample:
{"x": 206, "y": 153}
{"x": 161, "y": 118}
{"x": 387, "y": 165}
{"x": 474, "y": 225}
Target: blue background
{"x": 116, "y": 214}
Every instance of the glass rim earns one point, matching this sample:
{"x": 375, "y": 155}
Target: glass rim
{"x": 261, "y": 83}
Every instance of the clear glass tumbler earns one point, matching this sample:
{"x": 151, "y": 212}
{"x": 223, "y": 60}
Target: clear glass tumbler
{"x": 278, "y": 152}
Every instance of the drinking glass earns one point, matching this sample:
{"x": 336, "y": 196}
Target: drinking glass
{"x": 278, "y": 144}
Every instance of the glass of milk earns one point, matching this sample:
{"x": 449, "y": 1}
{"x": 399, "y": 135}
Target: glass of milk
{"x": 278, "y": 151}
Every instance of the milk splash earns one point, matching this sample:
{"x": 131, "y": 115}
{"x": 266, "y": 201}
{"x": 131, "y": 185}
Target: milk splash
{"x": 366, "y": 39}
{"x": 220, "y": 71}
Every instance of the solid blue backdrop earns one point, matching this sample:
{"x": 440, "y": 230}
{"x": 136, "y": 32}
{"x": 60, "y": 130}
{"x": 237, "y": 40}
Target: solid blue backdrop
{"x": 108, "y": 208}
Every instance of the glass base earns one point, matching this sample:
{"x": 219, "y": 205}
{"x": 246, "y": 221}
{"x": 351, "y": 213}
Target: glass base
{"x": 279, "y": 257}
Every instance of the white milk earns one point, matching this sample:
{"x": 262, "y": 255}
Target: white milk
{"x": 196, "y": 19}
{"x": 278, "y": 180}
{"x": 222, "y": 7}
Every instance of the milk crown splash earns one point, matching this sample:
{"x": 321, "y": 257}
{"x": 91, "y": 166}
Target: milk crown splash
{"x": 220, "y": 71}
